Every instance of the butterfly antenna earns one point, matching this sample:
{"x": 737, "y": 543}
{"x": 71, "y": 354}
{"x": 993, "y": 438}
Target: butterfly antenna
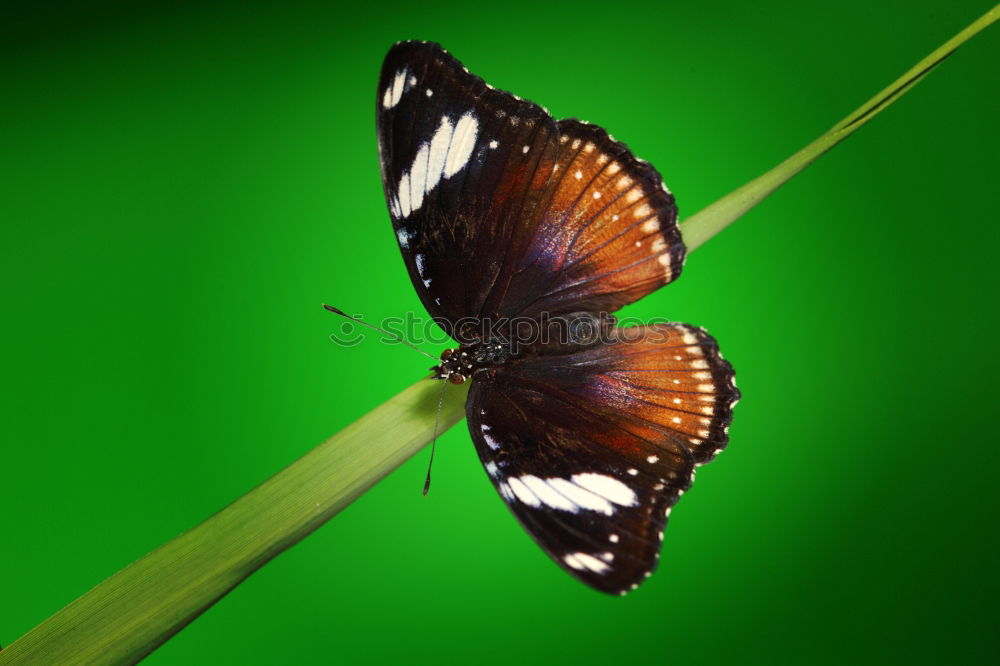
{"x": 380, "y": 330}
{"x": 437, "y": 419}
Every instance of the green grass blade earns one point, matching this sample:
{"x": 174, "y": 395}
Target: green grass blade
{"x": 714, "y": 218}
{"x": 136, "y": 610}
{"x": 129, "y": 615}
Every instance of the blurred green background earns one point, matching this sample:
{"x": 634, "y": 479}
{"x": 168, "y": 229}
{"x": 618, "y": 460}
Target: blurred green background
{"x": 184, "y": 183}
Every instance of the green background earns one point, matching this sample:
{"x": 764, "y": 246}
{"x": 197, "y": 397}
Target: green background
{"x": 183, "y": 184}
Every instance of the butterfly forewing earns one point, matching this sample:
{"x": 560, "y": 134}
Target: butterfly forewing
{"x": 591, "y": 449}
{"x": 501, "y": 212}
{"x": 607, "y": 234}
{"x": 463, "y": 166}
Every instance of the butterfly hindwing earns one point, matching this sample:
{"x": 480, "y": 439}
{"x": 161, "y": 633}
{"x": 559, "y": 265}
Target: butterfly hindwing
{"x": 590, "y": 450}
{"x": 568, "y": 487}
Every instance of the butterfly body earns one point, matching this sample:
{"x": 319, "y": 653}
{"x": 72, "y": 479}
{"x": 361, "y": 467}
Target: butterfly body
{"x": 458, "y": 365}
{"x": 522, "y": 234}
{"x": 526, "y": 338}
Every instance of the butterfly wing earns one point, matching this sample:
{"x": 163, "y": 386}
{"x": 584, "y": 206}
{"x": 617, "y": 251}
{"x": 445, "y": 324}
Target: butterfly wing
{"x": 604, "y": 236}
{"x": 502, "y": 212}
{"x": 463, "y": 167}
{"x": 590, "y": 450}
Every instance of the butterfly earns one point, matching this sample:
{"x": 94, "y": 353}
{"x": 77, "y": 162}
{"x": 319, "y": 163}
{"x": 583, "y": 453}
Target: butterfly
{"x": 508, "y": 219}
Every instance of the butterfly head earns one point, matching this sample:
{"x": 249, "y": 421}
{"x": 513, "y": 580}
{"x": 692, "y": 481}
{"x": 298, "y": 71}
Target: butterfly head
{"x": 455, "y": 366}
{"x": 458, "y": 365}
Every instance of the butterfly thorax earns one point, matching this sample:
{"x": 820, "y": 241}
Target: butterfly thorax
{"x": 548, "y": 335}
{"x": 458, "y": 365}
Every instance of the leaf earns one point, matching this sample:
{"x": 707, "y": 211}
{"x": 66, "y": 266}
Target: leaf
{"x": 139, "y": 608}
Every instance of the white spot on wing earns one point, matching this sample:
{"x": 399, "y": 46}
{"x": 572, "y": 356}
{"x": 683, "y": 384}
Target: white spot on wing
{"x": 490, "y": 442}
{"x": 524, "y": 493}
{"x": 547, "y": 493}
{"x": 395, "y": 93}
{"x": 418, "y": 177}
{"x": 404, "y": 238}
{"x": 447, "y": 153}
{"x": 583, "y": 560}
{"x": 581, "y": 497}
{"x": 607, "y": 487}
{"x": 404, "y": 194}
{"x": 462, "y": 143}
{"x": 438, "y": 152}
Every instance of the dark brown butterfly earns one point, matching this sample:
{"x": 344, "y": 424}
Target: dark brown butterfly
{"x": 508, "y": 217}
